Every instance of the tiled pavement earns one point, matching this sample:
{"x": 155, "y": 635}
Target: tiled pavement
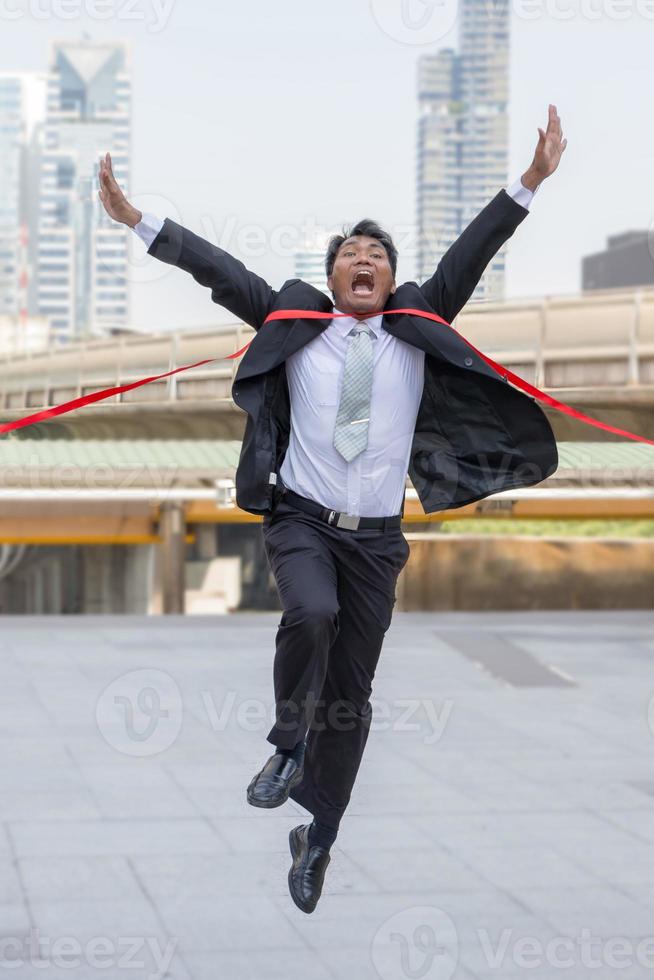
{"x": 502, "y": 824}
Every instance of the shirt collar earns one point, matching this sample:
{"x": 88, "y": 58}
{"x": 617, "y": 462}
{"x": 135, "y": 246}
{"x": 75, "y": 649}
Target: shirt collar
{"x": 343, "y": 324}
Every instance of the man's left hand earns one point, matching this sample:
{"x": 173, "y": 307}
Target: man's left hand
{"x": 548, "y": 152}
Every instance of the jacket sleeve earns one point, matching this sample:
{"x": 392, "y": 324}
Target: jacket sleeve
{"x": 463, "y": 264}
{"x": 243, "y": 293}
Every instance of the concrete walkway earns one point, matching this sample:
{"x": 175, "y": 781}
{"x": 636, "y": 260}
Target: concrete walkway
{"x": 502, "y": 824}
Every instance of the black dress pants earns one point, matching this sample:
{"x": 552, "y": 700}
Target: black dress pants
{"x": 337, "y": 591}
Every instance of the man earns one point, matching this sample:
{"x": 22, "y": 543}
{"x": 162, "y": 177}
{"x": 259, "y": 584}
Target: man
{"x": 338, "y": 411}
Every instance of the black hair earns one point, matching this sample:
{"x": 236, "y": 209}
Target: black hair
{"x": 364, "y": 227}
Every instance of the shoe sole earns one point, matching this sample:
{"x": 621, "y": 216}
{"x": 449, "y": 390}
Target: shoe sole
{"x": 266, "y": 804}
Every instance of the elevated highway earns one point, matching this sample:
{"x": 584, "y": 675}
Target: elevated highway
{"x": 152, "y": 469}
{"x": 592, "y": 350}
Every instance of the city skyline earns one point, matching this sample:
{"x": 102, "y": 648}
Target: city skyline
{"x": 211, "y": 145}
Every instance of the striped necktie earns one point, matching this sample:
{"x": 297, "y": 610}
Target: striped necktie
{"x": 353, "y": 415}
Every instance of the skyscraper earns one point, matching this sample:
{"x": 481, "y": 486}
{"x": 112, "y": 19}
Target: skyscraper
{"x": 462, "y": 157}
{"x": 21, "y": 114}
{"x": 82, "y": 254}
{"x": 13, "y": 144}
{"x": 12, "y": 141}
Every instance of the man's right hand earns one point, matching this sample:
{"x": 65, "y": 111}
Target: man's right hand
{"x": 114, "y": 201}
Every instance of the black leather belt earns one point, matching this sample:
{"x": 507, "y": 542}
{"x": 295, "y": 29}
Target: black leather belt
{"x": 336, "y": 518}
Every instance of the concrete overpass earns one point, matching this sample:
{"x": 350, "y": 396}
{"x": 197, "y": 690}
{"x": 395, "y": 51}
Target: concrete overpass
{"x": 142, "y": 470}
{"x": 593, "y": 350}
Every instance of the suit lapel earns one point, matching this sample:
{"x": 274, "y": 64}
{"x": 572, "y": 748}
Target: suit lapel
{"x": 277, "y": 340}
{"x": 403, "y": 326}
{"x": 434, "y": 338}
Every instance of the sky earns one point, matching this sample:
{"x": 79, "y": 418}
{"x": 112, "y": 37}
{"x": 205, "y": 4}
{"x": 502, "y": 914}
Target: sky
{"x": 254, "y": 122}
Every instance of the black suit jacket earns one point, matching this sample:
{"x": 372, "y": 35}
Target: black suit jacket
{"x": 474, "y": 435}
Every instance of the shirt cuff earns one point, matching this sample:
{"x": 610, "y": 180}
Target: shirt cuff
{"x": 148, "y": 228}
{"x": 521, "y": 194}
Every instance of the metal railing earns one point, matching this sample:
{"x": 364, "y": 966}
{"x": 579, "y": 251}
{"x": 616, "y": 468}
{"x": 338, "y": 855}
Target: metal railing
{"x": 44, "y": 378}
{"x": 599, "y": 340}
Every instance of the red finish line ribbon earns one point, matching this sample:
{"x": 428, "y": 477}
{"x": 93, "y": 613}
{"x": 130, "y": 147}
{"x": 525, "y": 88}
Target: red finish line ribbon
{"x": 98, "y": 396}
{"x": 502, "y": 371}
{"x": 499, "y": 368}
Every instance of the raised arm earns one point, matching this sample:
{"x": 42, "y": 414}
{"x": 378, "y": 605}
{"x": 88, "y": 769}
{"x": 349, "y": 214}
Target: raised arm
{"x": 463, "y": 264}
{"x": 242, "y": 292}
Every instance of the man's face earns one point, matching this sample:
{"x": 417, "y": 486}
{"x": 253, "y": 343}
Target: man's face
{"x": 362, "y": 278}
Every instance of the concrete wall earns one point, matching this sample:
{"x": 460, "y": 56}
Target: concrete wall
{"x": 467, "y": 572}
{"x": 444, "y": 572}
{"x": 79, "y": 579}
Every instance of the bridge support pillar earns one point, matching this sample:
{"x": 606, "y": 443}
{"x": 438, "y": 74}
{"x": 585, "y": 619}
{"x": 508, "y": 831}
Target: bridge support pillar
{"x": 172, "y": 528}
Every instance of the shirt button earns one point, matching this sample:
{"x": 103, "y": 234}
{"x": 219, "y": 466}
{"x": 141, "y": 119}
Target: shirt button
{"x": 468, "y": 361}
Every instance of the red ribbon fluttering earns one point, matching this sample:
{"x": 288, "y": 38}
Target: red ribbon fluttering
{"x": 502, "y": 371}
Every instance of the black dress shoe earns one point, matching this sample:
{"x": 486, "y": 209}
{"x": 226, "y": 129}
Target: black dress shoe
{"x": 307, "y": 872}
{"x": 272, "y": 784}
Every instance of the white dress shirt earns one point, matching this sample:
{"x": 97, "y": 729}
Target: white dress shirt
{"x": 372, "y": 484}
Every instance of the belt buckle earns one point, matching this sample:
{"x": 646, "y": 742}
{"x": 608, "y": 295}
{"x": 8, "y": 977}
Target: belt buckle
{"x": 350, "y": 521}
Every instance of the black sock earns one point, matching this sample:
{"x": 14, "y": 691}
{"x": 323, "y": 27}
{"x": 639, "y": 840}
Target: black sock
{"x": 297, "y": 752}
{"x": 322, "y": 834}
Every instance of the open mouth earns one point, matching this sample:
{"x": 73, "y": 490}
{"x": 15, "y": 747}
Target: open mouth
{"x": 363, "y": 283}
